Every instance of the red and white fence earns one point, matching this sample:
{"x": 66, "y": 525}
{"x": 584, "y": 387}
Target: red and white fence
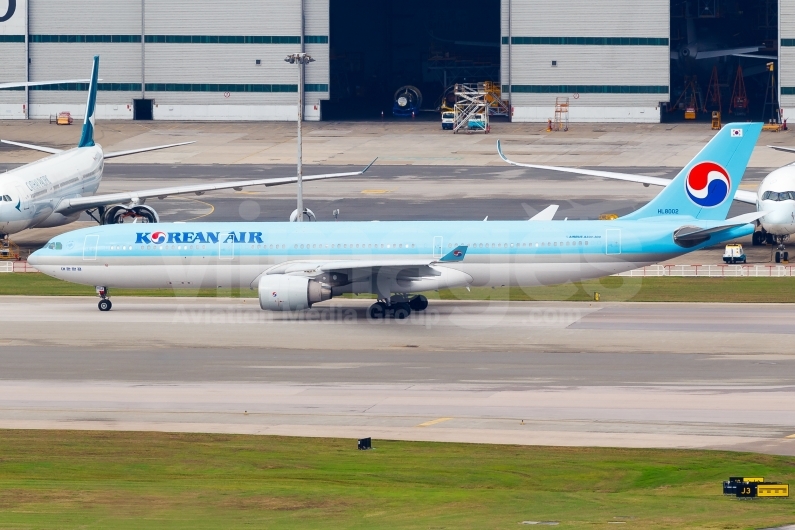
{"x": 713, "y": 271}
{"x": 16, "y": 266}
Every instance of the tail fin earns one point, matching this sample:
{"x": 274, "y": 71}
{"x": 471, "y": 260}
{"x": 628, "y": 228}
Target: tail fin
{"x": 87, "y": 138}
{"x": 705, "y": 188}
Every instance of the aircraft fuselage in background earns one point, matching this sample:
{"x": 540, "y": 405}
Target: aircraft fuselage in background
{"x": 33, "y": 192}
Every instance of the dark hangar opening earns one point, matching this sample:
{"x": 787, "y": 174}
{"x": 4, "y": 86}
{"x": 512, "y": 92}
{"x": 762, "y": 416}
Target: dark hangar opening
{"x": 377, "y": 48}
{"x": 720, "y": 55}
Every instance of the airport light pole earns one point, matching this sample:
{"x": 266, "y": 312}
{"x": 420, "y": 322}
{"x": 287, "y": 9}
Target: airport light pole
{"x": 301, "y": 59}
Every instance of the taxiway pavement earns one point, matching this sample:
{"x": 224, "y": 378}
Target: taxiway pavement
{"x": 631, "y": 375}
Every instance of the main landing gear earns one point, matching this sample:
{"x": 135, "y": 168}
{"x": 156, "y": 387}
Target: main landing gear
{"x": 399, "y": 307}
{"x": 104, "y": 303}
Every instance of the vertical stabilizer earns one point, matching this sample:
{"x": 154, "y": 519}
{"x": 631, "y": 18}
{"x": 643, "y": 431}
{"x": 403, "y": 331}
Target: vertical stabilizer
{"x": 87, "y": 138}
{"x": 705, "y": 188}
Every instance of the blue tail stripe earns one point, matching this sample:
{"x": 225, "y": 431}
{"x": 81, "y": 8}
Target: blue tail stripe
{"x": 87, "y": 138}
{"x": 726, "y": 155}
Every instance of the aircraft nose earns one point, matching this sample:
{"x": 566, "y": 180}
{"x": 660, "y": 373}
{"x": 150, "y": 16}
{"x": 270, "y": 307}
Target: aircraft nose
{"x": 35, "y": 258}
{"x": 780, "y": 216}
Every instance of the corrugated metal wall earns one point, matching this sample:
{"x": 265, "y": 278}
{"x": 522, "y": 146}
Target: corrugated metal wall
{"x": 316, "y": 24}
{"x": 600, "y": 67}
{"x": 169, "y": 63}
{"x": 786, "y": 62}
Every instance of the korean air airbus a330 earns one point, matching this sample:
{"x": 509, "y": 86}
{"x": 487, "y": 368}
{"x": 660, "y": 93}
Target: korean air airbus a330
{"x": 54, "y": 191}
{"x": 295, "y": 265}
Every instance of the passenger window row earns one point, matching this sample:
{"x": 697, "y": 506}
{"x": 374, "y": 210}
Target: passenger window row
{"x": 521, "y": 245}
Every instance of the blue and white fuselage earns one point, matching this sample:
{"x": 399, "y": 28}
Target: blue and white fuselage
{"x": 238, "y": 254}
{"x": 294, "y": 265}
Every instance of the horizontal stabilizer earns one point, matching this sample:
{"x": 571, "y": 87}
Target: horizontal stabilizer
{"x": 117, "y": 154}
{"x": 546, "y": 214}
{"x": 694, "y": 233}
{"x": 457, "y": 254}
{"x": 50, "y": 150}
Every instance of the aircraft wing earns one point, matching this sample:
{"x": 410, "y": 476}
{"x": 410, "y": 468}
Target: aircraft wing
{"x": 142, "y": 150}
{"x": 712, "y": 54}
{"x": 51, "y": 150}
{"x": 741, "y": 195}
{"x": 78, "y": 204}
{"x": 54, "y": 151}
{"x": 404, "y": 269}
{"x": 546, "y": 214}
{"x": 40, "y": 83}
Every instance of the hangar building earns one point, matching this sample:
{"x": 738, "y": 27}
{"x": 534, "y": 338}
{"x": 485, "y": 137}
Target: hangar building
{"x": 616, "y": 60}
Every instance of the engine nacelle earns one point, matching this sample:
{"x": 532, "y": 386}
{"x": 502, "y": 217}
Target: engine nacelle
{"x": 118, "y": 214}
{"x": 281, "y": 292}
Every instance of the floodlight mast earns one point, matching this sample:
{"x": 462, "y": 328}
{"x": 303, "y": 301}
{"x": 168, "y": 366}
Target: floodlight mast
{"x": 301, "y": 59}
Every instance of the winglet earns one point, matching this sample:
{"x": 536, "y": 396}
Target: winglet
{"x": 87, "y": 138}
{"x": 499, "y": 152}
{"x": 457, "y": 254}
{"x": 370, "y": 165}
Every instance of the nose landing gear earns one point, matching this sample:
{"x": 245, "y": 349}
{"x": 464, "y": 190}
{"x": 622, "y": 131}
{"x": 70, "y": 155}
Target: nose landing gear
{"x": 104, "y": 303}
{"x": 782, "y": 256}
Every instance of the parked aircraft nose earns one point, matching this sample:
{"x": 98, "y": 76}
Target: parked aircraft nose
{"x": 781, "y": 215}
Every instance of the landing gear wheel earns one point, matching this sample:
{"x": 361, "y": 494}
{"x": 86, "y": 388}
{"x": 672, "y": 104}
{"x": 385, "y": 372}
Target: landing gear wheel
{"x": 401, "y": 310}
{"x": 377, "y": 311}
{"x": 104, "y": 305}
{"x": 778, "y": 257}
{"x": 785, "y": 256}
{"x": 418, "y": 303}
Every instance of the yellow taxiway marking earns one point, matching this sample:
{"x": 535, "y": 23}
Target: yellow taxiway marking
{"x": 433, "y": 422}
{"x": 791, "y": 436}
{"x": 375, "y": 192}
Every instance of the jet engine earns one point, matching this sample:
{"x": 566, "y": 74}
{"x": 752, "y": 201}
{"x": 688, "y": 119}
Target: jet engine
{"x": 119, "y": 214}
{"x": 408, "y": 100}
{"x": 281, "y": 292}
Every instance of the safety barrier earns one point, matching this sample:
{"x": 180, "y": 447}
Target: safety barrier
{"x": 16, "y": 266}
{"x": 712, "y": 271}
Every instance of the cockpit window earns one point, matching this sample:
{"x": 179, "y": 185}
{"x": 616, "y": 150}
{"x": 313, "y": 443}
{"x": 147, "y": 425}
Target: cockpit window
{"x": 7, "y": 198}
{"x": 778, "y": 196}
{"x": 55, "y": 246}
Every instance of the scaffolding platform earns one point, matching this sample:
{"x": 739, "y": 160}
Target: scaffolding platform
{"x": 472, "y": 107}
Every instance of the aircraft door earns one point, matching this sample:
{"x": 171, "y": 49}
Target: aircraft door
{"x": 437, "y": 247}
{"x": 90, "y": 247}
{"x": 613, "y": 241}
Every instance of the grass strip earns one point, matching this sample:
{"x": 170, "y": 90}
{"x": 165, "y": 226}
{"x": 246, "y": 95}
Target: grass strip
{"x": 79, "y": 479}
{"x": 610, "y": 289}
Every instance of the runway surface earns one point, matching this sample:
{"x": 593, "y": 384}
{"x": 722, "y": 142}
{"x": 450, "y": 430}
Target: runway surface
{"x": 631, "y": 375}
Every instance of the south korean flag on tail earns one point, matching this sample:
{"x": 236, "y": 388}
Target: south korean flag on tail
{"x": 737, "y": 133}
